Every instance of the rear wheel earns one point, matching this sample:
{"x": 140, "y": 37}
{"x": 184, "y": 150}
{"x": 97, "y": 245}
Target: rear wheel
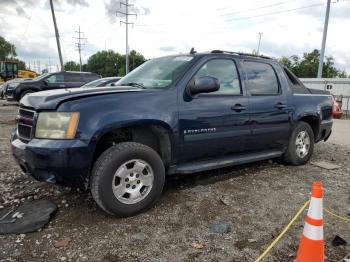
{"x": 301, "y": 145}
{"x": 127, "y": 179}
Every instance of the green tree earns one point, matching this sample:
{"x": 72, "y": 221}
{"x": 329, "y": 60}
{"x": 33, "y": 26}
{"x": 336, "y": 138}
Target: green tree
{"x": 21, "y": 65}
{"x": 105, "y": 63}
{"x": 307, "y": 66}
{"x": 110, "y": 63}
{"x": 6, "y": 49}
{"x": 71, "y": 66}
{"x": 135, "y": 59}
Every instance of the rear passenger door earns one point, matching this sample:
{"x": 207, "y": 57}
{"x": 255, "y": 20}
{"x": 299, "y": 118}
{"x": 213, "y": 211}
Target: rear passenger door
{"x": 73, "y": 80}
{"x": 269, "y": 110}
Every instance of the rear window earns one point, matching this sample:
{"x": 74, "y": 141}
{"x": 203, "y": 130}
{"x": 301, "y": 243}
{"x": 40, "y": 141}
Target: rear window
{"x": 261, "y": 77}
{"x": 295, "y": 84}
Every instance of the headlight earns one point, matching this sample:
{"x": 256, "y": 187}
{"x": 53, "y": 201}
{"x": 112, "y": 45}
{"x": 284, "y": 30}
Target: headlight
{"x": 12, "y": 86}
{"x": 57, "y": 125}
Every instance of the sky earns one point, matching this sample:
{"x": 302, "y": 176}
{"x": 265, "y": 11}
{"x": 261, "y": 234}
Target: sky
{"x": 164, "y": 27}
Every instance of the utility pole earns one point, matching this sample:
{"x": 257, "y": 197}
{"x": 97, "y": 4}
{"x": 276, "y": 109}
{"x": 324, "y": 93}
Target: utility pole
{"x": 49, "y": 70}
{"x": 57, "y": 35}
{"x": 126, "y": 22}
{"x": 79, "y": 45}
{"x": 324, "y": 38}
{"x": 260, "y": 35}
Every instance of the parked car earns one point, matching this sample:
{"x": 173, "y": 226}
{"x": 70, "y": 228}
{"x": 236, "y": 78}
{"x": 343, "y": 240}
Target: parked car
{"x": 2, "y": 91}
{"x": 4, "y": 86}
{"x": 176, "y": 114}
{"x": 59, "y": 80}
{"x": 102, "y": 82}
{"x": 337, "y": 111}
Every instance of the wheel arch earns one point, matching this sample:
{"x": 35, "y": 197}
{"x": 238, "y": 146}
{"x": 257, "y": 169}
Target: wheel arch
{"x": 313, "y": 120}
{"x": 155, "y": 134}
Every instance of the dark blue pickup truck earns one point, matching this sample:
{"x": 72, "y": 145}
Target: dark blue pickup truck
{"x": 176, "y": 114}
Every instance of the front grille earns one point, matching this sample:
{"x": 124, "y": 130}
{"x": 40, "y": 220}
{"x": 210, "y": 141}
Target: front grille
{"x": 25, "y": 124}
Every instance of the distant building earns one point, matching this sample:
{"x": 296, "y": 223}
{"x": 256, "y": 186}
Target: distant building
{"x": 339, "y": 87}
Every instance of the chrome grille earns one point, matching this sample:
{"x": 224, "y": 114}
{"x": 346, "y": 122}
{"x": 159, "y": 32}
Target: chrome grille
{"x": 25, "y": 124}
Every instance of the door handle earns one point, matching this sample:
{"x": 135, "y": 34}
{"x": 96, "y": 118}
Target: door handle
{"x": 62, "y": 85}
{"x": 238, "y": 107}
{"x": 280, "y": 105}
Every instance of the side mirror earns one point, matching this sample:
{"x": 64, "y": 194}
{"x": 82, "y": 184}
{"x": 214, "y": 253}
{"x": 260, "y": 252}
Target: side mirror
{"x": 45, "y": 82}
{"x": 205, "y": 84}
{"x": 113, "y": 84}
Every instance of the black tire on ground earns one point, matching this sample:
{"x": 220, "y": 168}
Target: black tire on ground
{"x": 107, "y": 164}
{"x": 290, "y": 156}
{"x": 26, "y": 93}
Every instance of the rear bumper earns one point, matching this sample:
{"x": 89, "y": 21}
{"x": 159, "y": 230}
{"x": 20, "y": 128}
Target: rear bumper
{"x": 325, "y": 130}
{"x": 64, "y": 162}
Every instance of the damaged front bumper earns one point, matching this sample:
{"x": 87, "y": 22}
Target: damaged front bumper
{"x": 63, "y": 162}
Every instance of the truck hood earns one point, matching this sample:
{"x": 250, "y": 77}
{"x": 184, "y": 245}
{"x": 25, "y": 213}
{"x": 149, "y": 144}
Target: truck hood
{"x": 51, "y": 99}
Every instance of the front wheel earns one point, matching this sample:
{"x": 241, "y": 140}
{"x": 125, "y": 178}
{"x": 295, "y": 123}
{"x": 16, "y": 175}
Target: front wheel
{"x": 127, "y": 179}
{"x": 301, "y": 145}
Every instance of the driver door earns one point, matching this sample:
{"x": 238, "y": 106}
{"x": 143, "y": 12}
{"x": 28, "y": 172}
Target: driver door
{"x": 55, "y": 81}
{"x": 215, "y": 124}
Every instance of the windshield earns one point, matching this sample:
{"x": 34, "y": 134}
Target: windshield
{"x": 40, "y": 77}
{"x": 157, "y": 73}
{"x": 97, "y": 82}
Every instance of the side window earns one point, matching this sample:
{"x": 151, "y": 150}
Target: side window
{"x": 262, "y": 79}
{"x": 74, "y": 78}
{"x": 90, "y": 77}
{"x": 55, "y": 78}
{"x": 225, "y": 71}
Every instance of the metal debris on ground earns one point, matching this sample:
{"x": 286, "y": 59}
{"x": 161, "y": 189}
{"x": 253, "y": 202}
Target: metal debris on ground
{"x": 338, "y": 241}
{"x": 220, "y": 228}
{"x": 325, "y": 165}
{"x": 28, "y": 217}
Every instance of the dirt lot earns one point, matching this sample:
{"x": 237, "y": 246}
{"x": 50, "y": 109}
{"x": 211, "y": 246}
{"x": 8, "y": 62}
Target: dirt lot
{"x": 256, "y": 200}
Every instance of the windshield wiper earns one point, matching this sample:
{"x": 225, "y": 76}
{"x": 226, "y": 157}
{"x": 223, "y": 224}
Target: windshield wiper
{"x": 134, "y": 84}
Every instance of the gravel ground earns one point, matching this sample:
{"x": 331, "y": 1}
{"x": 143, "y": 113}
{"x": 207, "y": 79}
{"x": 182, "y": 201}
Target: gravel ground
{"x": 256, "y": 200}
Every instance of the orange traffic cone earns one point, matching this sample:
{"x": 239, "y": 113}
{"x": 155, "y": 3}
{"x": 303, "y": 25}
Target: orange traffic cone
{"x": 311, "y": 248}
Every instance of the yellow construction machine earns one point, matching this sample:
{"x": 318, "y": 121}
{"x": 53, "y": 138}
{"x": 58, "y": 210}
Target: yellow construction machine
{"x": 9, "y": 70}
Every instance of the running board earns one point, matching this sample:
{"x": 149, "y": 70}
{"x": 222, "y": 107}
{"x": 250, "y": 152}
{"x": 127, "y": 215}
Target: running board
{"x": 205, "y": 165}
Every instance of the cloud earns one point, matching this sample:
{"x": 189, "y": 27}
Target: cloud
{"x": 114, "y": 6}
{"x": 167, "y": 48}
{"x": 168, "y": 27}
{"x": 76, "y": 2}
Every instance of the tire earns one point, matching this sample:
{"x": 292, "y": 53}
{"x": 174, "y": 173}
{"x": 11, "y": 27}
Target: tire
{"x": 134, "y": 162}
{"x": 26, "y": 93}
{"x": 296, "y": 154}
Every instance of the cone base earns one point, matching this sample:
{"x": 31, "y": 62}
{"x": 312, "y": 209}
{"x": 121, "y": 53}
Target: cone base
{"x": 310, "y": 250}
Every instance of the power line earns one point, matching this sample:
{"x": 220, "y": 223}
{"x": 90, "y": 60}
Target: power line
{"x": 126, "y": 22}
{"x": 258, "y": 8}
{"x": 273, "y": 13}
{"x": 79, "y": 45}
